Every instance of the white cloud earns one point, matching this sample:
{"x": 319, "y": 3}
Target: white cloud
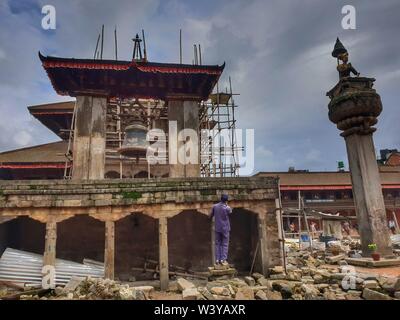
{"x": 22, "y": 138}
{"x": 277, "y": 52}
{"x": 261, "y": 151}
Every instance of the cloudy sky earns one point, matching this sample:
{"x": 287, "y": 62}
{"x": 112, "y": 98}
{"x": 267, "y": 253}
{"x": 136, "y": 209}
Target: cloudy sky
{"x": 276, "y": 51}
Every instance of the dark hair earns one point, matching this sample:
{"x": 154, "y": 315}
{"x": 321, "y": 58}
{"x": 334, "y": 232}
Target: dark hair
{"x": 224, "y": 198}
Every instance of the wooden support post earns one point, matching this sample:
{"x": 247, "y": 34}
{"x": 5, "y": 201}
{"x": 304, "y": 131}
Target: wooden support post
{"x": 395, "y": 221}
{"x": 262, "y": 234}
{"x": 163, "y": 253}
{"x": 109, "y": 250}
{"x": 49, "y": 257}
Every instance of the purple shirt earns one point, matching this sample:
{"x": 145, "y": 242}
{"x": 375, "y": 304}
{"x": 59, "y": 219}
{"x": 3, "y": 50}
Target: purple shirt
{"x": 221, "y": 212}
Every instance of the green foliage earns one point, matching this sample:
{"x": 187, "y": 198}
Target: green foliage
{"x": 131, "y": 195}
{"x": 372, "y": 246}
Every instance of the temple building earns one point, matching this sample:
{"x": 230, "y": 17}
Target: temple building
{"x": 331, "y": 191}
{"x": 94, "y": 194}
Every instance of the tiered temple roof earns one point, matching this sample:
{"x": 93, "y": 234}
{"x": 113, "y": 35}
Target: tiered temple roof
{"x": 124, "y": 79}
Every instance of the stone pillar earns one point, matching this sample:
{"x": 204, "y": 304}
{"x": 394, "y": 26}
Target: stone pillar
{"x": 89, "y": 138}
{"x": 163, "y": 252}
{"x": 186, "y": 115}
{"x": 49, "y": 257}
{"x": 269, "y": 240}
{"x": 354, "y": 108}
{"x": 109, "y": 250}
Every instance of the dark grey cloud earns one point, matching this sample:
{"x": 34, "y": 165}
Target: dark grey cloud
{"x": 277, "y": 52}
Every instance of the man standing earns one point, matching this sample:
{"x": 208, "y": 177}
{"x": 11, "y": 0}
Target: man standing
{"x": 221, "y": 211}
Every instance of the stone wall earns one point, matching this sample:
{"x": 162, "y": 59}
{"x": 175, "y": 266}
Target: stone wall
{"x": 137, "y": 206}
{"x": 101, "y": 196}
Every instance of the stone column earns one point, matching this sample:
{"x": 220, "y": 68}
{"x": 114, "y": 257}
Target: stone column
{"x": 163, "y": 252}
{"x": 109, "y": 250}
{"x": 49, "y": 257}
{"x": 89, "y": 138}
{"x": 186, "y": 115}
{"x": 269, "y": 240}
{"x": 354, "y": 108}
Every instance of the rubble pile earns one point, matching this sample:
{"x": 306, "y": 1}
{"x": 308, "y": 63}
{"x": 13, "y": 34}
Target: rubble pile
{"x": 309, "y": 275}
{"x": 317, "y": 275}
{"x": 94, "y": 289}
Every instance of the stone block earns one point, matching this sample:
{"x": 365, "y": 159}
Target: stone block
{"x": 369, "y": 294}
{"x": 191, "y": 294}
{"x": 250, "y": 281}
{"x": 184, "y": 284}
{"x": 244, "y": 293}
{"x": 391, "y": 284}
{"x": 370, "y": 284}
{"x": 335, "y": 259}
{"x": 260, "y": 295}
{"x": 220, "y": 291}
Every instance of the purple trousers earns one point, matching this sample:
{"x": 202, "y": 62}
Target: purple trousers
{"x": 221, "y": 246}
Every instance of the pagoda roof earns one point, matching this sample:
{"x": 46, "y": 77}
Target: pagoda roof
{"x": 49, "y": 155}
{"x": 125, "y": 79}
{"x": 55, "y": 116}
{"x": 330, "y": 180}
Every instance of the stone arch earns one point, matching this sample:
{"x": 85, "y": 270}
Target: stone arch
{"x": 112, "y": 174}
{"x": 22, "y": 233}
{"x": 189, "y": 240}
{"x": 80, "y": 237}
{"x": 244, "y": 237}
{"x": 136, "y": 241}
{"x": 143, "y": 174}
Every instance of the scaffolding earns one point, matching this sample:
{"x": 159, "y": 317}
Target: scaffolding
{"x": 218, "y": 139}
{"x": 120, "y": 113}
{"x": 219, "y": 151}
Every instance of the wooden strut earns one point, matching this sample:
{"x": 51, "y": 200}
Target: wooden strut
{"x": 254, "y": 258}
{"x": 163, "y": 252}
{"x": 49, "y": 257}
{"x": 109, "y": 250}
{"x": 278, "y": 205}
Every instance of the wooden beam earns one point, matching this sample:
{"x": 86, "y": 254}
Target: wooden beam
{"x": 262, "y": 234}
{"x": 109, "y": 250}
{"x": 163, "y": 253}
{"x": 49, "y": 257}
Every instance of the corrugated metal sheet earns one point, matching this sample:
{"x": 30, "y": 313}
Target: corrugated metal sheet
{"x": 25, "y": 267}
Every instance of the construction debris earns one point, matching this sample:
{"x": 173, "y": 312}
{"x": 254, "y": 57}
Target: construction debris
{"x": 93, "y": 289}
{"x": 309, "y": 275}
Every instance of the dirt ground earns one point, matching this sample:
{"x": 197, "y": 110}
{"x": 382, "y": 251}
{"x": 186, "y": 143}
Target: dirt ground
{"x": 384, "y": 271}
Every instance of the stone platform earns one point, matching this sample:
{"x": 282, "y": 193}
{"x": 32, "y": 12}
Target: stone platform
{"x": 216, "y": 272}
{"x": 369, "y": 263}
